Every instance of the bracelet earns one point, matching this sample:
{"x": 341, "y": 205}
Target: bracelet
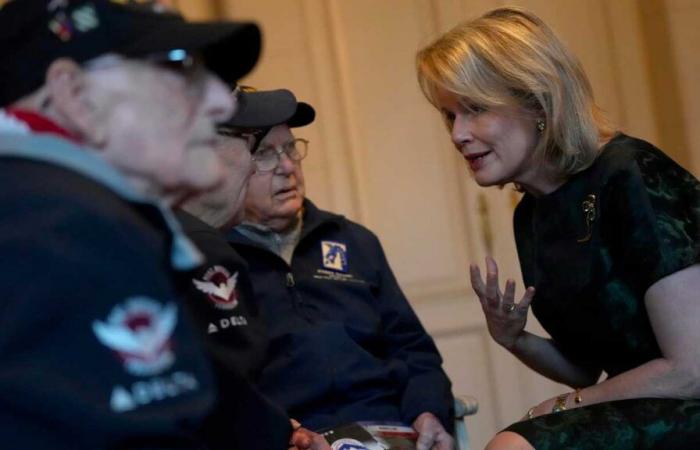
{"x": 560, "y": 403}
{"x": 531, "y": 413}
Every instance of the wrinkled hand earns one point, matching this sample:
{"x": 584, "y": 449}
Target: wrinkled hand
{"x": 431, "y": 434}
{"x": 505, "y": 319}
{"x": 303, "y": 439}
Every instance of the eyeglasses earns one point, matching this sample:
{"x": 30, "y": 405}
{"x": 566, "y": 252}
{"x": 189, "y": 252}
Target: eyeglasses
{"x": 252, "y": 137}
{"x": 268, "y": 158}
{"x": 187, "y": 64}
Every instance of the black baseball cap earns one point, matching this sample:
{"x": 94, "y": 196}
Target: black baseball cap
{"x": 265, "y": 109}
{"x": 34, "y": 33}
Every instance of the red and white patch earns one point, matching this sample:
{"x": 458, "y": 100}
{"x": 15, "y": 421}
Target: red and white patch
{"x": 139, "y": 332}
{"x": 220, "y": 287}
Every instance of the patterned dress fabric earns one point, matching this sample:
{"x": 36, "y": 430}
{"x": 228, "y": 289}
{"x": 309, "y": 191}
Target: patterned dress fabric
{"x": 592, "y": 248}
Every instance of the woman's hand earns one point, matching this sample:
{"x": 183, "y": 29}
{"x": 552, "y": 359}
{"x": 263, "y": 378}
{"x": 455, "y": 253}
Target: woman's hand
{"x": 505, "y": 318}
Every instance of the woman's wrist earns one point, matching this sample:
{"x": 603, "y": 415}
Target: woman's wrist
{"x": 560, "y": 403}
{"x": 517, "y": 344}
{"x": 565, "y": 401}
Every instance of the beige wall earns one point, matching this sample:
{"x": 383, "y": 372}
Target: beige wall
{"x": 198, "y": 9}
{"x": 683, "y": 19}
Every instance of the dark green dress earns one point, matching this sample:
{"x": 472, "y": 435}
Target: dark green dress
{"x": 592, "y": 248}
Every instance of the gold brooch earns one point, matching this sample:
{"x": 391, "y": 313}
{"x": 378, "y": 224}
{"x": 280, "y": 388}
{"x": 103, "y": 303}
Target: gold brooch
{"x": 589, "y": 213}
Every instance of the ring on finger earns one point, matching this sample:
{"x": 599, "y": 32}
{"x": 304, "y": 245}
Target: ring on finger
{"x": 509, "y": 307}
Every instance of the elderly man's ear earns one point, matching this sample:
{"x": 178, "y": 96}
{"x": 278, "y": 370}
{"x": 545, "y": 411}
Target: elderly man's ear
{"x": 69, "y": 102}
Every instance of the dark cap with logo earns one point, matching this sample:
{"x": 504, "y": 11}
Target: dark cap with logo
{"x": 265, "y": 109}
{"x": 34, "y": 33}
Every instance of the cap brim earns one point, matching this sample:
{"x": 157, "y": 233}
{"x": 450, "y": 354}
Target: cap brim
{"x": 304, "y": 115}
{"x": 230, "y": 49}
{"x": 265, "y": 109}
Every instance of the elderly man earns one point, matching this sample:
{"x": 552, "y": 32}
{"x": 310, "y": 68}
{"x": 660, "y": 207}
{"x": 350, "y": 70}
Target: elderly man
{"x": 220, "y": 295}
{"x": 345, "y": 344}
{"x": 109, "y": 112}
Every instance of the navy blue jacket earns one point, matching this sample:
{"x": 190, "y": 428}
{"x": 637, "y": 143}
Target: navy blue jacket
{"x": 345, "y": 344}
{"x": 221, "y": 303}
{"x": 95, "y": 349}
{"x": 220, "y": 300}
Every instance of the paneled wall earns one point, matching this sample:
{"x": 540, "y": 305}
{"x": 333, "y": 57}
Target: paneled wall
{"x": 683, "y": 42}
{"x": 380, "y": 155}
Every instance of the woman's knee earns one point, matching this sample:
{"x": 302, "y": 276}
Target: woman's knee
{"x": 507, "y": 440}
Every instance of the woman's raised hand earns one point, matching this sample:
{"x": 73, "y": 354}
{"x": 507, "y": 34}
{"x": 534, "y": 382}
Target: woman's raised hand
{"x": 504, "y": 317}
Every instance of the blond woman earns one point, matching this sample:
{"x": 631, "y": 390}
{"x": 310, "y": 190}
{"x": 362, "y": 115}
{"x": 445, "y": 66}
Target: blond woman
{"x": 608, "y": 237}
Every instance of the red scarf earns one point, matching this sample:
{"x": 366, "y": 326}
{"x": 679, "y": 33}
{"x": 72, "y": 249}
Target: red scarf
{"x": 41, "y": 124}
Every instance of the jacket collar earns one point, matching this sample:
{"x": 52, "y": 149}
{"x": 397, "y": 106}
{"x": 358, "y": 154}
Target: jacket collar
{"x": 61, "y": 152}
{"x": 33, "y": 122}
{"x": 313, "y": 219}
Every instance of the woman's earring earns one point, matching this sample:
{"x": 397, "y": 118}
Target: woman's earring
{"x": 540, "y": 125}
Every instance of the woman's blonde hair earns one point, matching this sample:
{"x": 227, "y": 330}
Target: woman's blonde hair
{"x": 509, "y": 56}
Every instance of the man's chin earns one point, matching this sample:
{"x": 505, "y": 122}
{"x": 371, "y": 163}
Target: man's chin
{"x": 204, "y": 178}
{"x": 203, "y": 169}
{"x": 177, "y": 197}
{"x": 288, "y": 205}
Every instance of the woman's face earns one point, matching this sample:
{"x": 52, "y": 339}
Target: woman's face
{"x": 498, "y": 143}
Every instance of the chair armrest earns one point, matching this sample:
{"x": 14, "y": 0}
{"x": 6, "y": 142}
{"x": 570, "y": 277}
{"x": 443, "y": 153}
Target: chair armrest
{"x": 465, "y": 405}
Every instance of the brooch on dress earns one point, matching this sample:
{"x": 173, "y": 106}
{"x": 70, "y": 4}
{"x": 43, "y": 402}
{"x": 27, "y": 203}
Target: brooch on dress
{"x": 588, "y": 206}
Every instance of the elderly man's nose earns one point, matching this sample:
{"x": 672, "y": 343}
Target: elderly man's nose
{"x": 286, "y": 165}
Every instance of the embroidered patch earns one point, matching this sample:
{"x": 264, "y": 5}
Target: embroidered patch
{"x": 220, "y": 287}
{"x": 334, "y": 255}
{"x": 139, "y": 331}
{"x": 85, "y": 18}
{"x": 348, "y": 444}
{"x": 61, "y": 27}
{"x": 227, "y": 322}
{"x": 82, "y": 19}
{"x": 141, "y": 393}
